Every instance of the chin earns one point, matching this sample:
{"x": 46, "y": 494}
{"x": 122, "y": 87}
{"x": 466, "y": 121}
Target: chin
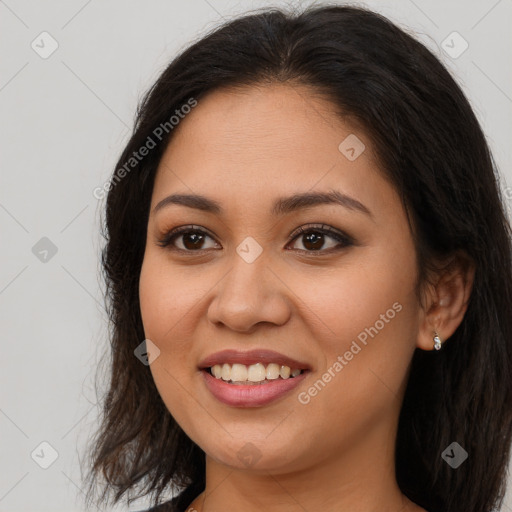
{"x": 255, "y": 456}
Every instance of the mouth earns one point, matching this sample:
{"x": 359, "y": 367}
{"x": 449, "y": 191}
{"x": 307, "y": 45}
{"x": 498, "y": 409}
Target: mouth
{"x": 251, "y": 379}
{"x": 254, "y": 374}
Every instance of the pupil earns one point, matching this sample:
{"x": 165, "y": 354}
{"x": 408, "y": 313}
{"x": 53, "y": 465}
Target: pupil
{"x": 315, "y": 240}
{"x": 195, "y": 238}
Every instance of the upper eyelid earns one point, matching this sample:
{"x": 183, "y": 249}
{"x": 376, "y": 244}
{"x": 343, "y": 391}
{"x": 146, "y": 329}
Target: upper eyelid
{"x": 322, "y": 227}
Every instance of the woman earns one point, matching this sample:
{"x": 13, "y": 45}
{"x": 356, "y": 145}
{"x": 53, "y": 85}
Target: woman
{"x": 308, "y": 267}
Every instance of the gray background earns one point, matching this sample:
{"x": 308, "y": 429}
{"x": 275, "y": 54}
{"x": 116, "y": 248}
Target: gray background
{"x": 65, "y": 121}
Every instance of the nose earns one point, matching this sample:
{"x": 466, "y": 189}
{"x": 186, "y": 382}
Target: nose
{"x": 250, "y": 294}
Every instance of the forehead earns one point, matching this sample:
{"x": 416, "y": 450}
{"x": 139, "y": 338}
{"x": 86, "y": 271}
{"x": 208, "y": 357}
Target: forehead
{"x": 254, "y": 120}
{"x": 245, "y": 144}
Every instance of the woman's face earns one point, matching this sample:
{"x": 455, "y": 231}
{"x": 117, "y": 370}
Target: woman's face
{"x": 243, "y": 279}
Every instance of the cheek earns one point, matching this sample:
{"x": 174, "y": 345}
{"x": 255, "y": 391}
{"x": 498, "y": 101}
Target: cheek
{"x": 171, "y": 298}
{"x": 167, "y": 300}
{"x": 371, "y": 298}
{"x": 367, "y": 315}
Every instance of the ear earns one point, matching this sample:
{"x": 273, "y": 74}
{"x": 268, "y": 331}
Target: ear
{"x": 446, "y": 300}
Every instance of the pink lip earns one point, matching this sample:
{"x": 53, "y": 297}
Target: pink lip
{"x": 256, "y": 395}
{"x": 252, "y": 357}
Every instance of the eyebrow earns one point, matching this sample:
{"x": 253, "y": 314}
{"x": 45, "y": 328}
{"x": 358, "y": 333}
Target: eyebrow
{"x": 281, "y": 206}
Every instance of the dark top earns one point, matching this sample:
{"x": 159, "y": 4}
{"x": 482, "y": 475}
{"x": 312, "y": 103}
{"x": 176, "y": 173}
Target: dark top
{"x": 179, "y": 503}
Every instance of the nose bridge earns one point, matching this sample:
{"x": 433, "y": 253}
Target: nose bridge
{"x": 249, "y": 293}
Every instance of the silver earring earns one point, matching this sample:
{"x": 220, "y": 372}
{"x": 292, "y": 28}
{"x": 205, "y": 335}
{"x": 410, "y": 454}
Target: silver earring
{"x": 437, "y": 341}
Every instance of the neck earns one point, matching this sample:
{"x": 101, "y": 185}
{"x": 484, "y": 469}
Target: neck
{"x": 361, "y": 479}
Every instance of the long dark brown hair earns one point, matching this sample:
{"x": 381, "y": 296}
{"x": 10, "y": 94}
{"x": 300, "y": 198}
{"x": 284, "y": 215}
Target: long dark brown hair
{"x": 432, "y": 149}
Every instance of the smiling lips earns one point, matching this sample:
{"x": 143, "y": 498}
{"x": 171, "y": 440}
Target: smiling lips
{"x": 251, "y": 379}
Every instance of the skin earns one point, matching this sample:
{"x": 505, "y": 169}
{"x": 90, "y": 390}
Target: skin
{"x": 245, "y": 148}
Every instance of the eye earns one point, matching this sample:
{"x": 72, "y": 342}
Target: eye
{"x": 192, "y": 239}
{"x": 313, "y": 238}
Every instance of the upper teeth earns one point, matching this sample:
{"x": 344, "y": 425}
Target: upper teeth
{"x": 253, "y": 373}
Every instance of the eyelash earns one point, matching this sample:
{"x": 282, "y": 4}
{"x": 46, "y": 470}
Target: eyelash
{"x": 344, "y": 240}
